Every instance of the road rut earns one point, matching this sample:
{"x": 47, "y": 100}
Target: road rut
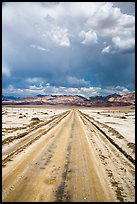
{"x": 67, "y": 164}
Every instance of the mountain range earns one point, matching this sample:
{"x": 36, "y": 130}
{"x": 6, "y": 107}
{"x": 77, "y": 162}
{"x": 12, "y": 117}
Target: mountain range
{"x": 76, "y": 100}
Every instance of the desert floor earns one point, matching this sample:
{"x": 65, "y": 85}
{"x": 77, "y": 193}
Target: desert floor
{"x": 65, "y": 155}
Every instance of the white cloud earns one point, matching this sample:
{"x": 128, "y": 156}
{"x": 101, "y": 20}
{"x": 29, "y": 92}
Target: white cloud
{"x": 59, "y": 36}
{"x": 38, "y": 47}
{"x": 121, "y": 45}
{"x": 102, "y": 18}
{"x": 34, "y": 80}
{"x": 74, "y": 81}
{"x": 88, "y": 37}
{"x": 116, "y": 89}
{"x": 33, "y": 25}
{"x": 124, "y": 45}
{"x": 11, "y": 90}
{"x": 125, "y": 90}
{"x": 33, "y": 90}
{"x": 106, "y": 49}
{"x": 105, "y": 16}
{"x": 47, "y": 84}
{"x": 110, "y": 21}
{"x": 126, "y": 21}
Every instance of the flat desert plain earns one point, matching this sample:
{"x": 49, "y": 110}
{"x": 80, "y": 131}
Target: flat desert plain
{"x": 68, "y": 154}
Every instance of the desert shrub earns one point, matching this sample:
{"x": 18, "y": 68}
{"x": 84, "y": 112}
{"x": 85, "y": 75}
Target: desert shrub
{"x": 35, "y": 119}
{"x": 123, "y": 117}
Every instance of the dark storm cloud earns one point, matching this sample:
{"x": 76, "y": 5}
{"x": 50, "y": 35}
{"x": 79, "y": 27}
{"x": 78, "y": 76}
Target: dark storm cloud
{"x": 67, "y": 45}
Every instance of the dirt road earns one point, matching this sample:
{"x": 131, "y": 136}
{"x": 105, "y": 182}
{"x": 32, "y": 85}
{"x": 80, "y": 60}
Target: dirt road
{"x": 68, "y": 159}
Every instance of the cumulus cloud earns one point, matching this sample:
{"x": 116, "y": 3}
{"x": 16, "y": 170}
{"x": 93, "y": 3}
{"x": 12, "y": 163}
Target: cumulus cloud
{"x": 126, "y": 21}
{"x": 120, "y": 45}
{"x": 109, "y": 21}
{"x": 79, "y": 82}
{"x": 59, "y": 36}
{"x": 124, "y": 45}
{"x": 106, "y": 49}
{"x": 104, "y": 17}
{"x": 88, "y": 37}
{"x": 116, "y": 89}
{"x": 48, "y": 90}
{"x": 34, "y": 80}
{"x": 62, "y": 43}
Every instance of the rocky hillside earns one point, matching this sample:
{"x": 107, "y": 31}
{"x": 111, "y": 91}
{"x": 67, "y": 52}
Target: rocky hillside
{"x": 128, "y": 98}
{"x": 97, "y": 101}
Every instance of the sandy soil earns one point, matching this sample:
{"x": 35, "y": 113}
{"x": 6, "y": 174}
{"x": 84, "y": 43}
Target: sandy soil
{"x": 65, "y": 156}
{"x": 122, "y": 120}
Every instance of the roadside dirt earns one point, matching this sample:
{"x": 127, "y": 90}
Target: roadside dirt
{"x": 70, "y": 160}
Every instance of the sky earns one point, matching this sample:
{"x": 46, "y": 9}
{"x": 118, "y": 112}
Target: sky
{"x": 70, "y": 48}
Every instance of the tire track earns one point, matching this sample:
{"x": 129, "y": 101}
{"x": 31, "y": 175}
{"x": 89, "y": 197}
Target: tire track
{"x": 38, "y": 168}
{"x": 33, "y": 138}
{"x": 74, "y": 162}
{"x": 31, "y": 129}
{"x": 62, "y": 195}
{"x": 119, "y": 170}
{"x": 128, "y": 156}
{"x": 80, "y": 180}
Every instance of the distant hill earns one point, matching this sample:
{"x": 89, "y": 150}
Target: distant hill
{"x": 40, "y": 95}
{"x": 7, "y": 98}
{"x": 96, "y": 101}
{"x": 124, "y": 99}
{"x": 104, "y": 97}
